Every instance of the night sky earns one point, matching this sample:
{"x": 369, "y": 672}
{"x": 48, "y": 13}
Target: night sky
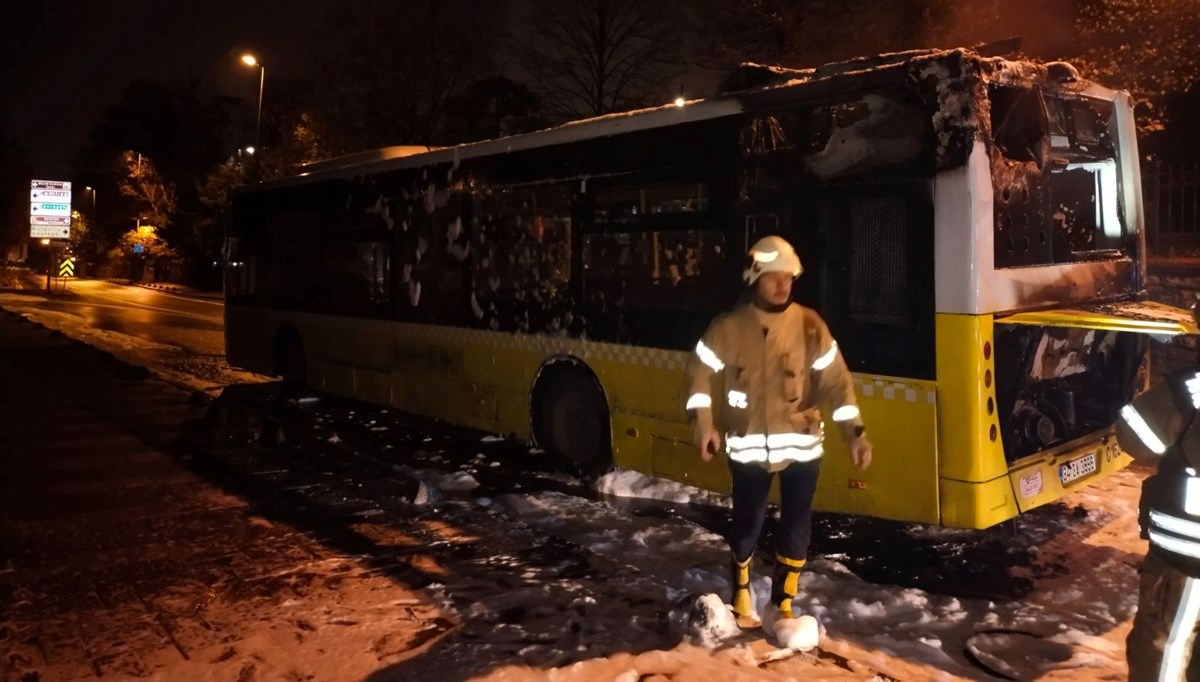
{"x": 63, "y": 63}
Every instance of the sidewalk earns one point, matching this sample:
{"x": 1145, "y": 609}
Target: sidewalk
{"x": 119, "y": 561}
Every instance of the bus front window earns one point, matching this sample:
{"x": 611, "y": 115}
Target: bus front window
{"x": 1055, "y": 173}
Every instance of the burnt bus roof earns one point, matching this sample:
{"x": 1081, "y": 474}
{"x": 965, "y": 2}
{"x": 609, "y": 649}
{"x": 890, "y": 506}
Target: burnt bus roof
{"x": 955, "y": 79}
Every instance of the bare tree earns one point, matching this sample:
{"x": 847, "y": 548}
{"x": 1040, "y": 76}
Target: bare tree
{"x": 592, "y": 57}
{"x": 387, "y": 70}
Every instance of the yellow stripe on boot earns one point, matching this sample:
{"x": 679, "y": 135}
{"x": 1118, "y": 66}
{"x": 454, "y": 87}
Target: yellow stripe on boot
{"x": 786, "y": 583}
{"x": 742, "y": 603}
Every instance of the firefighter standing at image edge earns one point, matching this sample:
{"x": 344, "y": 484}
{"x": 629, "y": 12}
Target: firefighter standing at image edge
{"x": 780, "y": 367}
{"x": 1161, "y": 425}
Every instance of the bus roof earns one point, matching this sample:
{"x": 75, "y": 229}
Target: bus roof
{"x": 750, "y": 87}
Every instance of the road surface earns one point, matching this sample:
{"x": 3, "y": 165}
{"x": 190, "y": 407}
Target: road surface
{"x": 180, "y": 336}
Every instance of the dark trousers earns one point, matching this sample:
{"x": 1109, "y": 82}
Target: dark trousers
{"x": 751, "y": 486}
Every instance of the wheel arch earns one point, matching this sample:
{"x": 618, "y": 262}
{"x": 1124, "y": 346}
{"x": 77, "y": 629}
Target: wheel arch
{"x": 550, "y": 370}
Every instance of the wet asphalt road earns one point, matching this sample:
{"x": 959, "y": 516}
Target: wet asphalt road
{"x": 194, "y": 324}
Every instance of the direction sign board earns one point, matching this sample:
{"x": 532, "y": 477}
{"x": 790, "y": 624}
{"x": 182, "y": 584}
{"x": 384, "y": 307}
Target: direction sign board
{"x": 56, "y": 220}
{"x": 38, "y": 195}
{"x": 62, "y": 231}
{"x": 50, "y": 209}
{"x": 50, "y": 184}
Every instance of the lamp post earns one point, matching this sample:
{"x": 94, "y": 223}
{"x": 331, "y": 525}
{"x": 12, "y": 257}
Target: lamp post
{"x": 49, "y": 262}
{"x": 251, "y": 60}
{"x": 93, "y": 191}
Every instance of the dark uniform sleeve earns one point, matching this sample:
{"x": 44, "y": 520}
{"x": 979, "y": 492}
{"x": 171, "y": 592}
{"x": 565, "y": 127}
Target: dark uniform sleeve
{"x": 1153, "y": 422}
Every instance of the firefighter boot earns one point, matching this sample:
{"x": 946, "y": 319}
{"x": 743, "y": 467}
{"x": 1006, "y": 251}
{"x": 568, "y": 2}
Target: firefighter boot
{"x": 742, "y": 604}
{"x": 791, "y": 632}
{"x": 785, "y": 583}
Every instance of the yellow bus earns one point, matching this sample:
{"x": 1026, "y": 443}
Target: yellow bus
{"x": 971, "y": 230}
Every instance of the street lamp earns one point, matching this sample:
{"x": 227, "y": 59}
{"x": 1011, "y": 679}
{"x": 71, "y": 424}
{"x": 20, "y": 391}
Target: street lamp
{"x": 93, "y": 191}
{"x": 251, "y": 60}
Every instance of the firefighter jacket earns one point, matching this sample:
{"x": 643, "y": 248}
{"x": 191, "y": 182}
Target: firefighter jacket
{"x": 1161, "y": 425}
{"x": 778, "y": 370}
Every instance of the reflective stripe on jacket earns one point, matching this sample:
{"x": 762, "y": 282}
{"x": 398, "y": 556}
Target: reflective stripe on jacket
{"x": 777, "y": 371}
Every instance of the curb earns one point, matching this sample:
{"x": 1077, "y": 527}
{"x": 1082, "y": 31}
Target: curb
{"x": 170, "y": 289}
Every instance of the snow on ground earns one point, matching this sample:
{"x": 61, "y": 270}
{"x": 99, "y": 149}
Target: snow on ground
{"x": 1069, "y": 624}
{"x": 631, "y": 484}
{"x": 1072, "y": 625}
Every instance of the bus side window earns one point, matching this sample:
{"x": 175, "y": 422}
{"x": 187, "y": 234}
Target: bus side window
{"x": 879, "y": 260}
{"x": 353, "y": 270}
{"x": 433, "y": 248}
{"x": 238, "y": 257}
{"x": 522, "y": 264}
{"x": 656, "y": 273}
{"x": 1019, "y": 123}
{"x": 657, "y": 287}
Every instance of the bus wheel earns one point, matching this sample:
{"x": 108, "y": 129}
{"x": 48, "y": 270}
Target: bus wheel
{"x": 290, "y": 363}
{"x": 572, "y": 424}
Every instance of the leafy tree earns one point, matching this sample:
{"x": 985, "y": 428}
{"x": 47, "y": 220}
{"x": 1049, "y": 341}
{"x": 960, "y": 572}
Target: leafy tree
{"x": 182, "y": 129}
{"x": 1179, "y": 140}
{"x": 215, "y": 193}
{"x": 81, "y": 229}
{"x": 300, "y": 140}
{"x": 592, "y": 57}
{"x": 153, "y": 198}
{"x": 146, "y": 237}
{"x": 806, "y": 33}
{"x": 1149, "y": 47}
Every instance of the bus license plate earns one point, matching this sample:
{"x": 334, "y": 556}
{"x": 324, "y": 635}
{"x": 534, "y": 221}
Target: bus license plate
{"x": 1077, "y": 468}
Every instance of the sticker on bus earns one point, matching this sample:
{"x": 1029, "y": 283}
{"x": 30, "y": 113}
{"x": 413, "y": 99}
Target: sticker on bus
{"x": 1031, "y": 484}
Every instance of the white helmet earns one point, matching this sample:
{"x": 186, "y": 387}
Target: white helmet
{"x": 772, "y": 254}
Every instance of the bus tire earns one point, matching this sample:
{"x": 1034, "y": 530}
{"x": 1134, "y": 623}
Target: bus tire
{"x": 571, "y": 421}
{"x": 290, "y": 362}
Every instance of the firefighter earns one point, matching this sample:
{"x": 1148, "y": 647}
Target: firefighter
{"x": 780, "y": 367}
{"x": 1161, "y": 426}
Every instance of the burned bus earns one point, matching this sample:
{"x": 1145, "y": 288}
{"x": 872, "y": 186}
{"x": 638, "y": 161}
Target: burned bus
{"x": 970, "y": 227}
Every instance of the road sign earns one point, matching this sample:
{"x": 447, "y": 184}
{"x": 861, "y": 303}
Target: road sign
{"x": 57, "y": 220}
{"x": 40, "y": 208}
{"x": 49, "y": 232}
{"x": 50, "y": 209}
{"x": 67, "y": 267}
{"x": 138, "y": 248}
{"x": 50, "y": 184}
{"x": 49, "y": 227}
